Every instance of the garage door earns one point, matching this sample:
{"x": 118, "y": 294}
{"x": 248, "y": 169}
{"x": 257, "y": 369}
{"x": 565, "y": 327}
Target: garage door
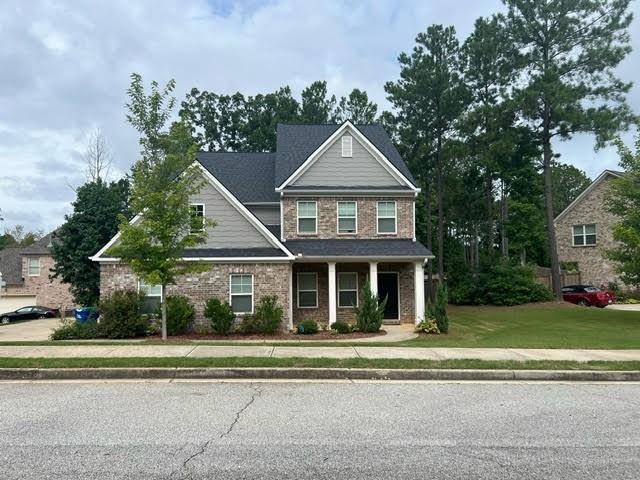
{"x": 9, "y": 303}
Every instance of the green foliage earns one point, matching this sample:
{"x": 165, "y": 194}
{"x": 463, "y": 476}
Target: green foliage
{"x": 568, "y": 183}
{"x": 438, "y": 310}
{"x": 370, "y": 314}
{"x": 120, "y": 315}
{"x": 308, "y": 327}
{"x": 18, "y": 236}
{"x": 180, "y": 314}
{"x": 501, "y": 283}
{"x": 341, "y": 327}
{"x": 72, "y": 330}
{"x": 624, "y": 202}
{"x": 357, "y": 108}
{"x": 92, "y": 224}
{"x": 248, "y": 325}
{"x": 268, "y": 315}
{"x": 429, "y": 326}
{"x": 220, "y": 315}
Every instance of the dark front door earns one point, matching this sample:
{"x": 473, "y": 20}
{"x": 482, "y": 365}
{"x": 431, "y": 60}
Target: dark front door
{"x": 388, "y": 287}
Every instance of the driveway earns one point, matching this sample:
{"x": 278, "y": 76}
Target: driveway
{"x": 30, "y": 330}
{"x": 624, "y": 306}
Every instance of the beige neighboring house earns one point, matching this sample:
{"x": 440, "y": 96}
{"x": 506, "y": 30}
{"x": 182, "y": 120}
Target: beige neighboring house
{"x": 584, "y": 232}
{"x": 25, "y": 274}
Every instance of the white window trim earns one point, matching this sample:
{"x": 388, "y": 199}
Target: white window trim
{"x": 204, "y": 214}
{"x": 231, "y": 295}
{"x": 298, "y": 217}
{"x": 29, "y": 267}
{"x": 348, "y": 290}
{"x": 153, "y": 295}
{"x": 584, "y": 235}
{"x": 315, "y": 274}
{"x": 395, "y": 217}
{"x": 347, "y": 146}
{"x": 338, "y": 217}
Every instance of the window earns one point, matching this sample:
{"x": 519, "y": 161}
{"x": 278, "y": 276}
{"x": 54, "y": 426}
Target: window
{"x": 307, "y": 290}
{"x": 152, "y": 296}
{"x": 347, "y": 217}
{"x": 347, "y": 290}
{"x": 197, "y": 217}
{"x": 347, "y": 144}
{"x": 241, "y": 293}
{"x": 307, "y": 217}
{"x": 584, "y": 234}
{"x": 386, "y": 217}
{"x": 34, "y": 267}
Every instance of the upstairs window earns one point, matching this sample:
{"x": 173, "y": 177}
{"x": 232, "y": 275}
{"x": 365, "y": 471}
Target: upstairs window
{"x": 34, "y": 267}
{"x": 197, "y": 217}
{"x": 241, "y": 293}
{"x": 584, "y": 234}
{"x": 347, "y": 217}
{"x": 387, "y": 217}
{"x": 347, "y": 144}
{"x": 307, "y": 217}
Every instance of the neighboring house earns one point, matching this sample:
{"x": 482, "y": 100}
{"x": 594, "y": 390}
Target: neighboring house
{"x": 25, "y": 272}
{"x": 310, "y": 223}
{"x": 584, "y": 232}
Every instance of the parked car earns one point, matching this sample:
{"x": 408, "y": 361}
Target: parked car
{"x": 28, "y": 313}
{"x": 587, "y": 295}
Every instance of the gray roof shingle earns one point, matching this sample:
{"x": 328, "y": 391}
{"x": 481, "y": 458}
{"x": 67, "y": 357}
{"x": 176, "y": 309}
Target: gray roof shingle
{"x": 41, "y": 247}
{"x": 233, "y": 252}
{"x": 11, "y": 265}
{"x": 358, "y": 248}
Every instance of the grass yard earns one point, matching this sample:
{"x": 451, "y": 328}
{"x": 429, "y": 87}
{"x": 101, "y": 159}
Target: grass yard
{"x": 548, "y": 325}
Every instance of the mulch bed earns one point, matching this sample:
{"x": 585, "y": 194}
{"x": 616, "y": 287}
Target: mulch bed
{"x": 323, "y": 335}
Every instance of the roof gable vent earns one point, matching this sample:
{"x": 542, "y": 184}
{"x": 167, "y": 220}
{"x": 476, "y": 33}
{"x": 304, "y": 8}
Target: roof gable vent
{"x": 347, "y": 146}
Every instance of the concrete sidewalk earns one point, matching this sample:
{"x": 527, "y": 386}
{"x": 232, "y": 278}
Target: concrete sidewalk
{"x": 201, "y": 351}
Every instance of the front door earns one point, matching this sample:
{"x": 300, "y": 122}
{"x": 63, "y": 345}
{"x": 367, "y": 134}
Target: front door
{"x": 388, "y": 287}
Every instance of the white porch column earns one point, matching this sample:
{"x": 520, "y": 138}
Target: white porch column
{"x": 418, "y": 277}
{"x": 373, "y": 277}
{"x": 332, "y": 293}
{"x": 290, "y": 322}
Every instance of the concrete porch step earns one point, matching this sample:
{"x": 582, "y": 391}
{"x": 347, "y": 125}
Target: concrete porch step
{"x": 391, "y": 322}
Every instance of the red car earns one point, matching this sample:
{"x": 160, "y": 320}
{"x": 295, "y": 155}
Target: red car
{"x": 587, "y": 295}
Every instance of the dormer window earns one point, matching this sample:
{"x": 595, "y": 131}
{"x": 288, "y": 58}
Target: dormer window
{"x": 347, "y": 144}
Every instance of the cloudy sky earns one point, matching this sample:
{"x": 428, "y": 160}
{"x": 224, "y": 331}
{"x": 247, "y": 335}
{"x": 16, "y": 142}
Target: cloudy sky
{"x": 65, "y": 67}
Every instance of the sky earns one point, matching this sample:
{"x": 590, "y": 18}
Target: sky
{"x": 65, "y": 67}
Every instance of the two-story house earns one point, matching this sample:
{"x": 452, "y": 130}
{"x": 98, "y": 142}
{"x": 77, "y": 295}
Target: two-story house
{"x": 584, "y": 232}
{"x": 333, "y": 206}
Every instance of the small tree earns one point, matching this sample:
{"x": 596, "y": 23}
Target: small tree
{"x": 438, "y": 309}
{"x": 163, "y": 181}
{"x": 370, "y": 314}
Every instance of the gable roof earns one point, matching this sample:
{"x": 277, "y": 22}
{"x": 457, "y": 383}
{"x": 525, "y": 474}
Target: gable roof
{"x": 40, "y": 247}
{"x": 11, "y": 265}
{"x": 586, "y": 191}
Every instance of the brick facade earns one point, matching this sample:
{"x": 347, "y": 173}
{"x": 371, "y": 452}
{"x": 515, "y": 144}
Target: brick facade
{"x": 327, "y": 221}
{"x": 48, "y": 292}
{"x": 268, "y": 279}
{"x": 594, "y": 267}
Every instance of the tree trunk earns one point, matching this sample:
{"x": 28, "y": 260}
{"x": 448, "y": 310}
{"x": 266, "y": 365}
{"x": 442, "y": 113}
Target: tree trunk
{"x": 163, "y": 310}
{"x": 504, "y": 241}
{"x": 489, "y": 193}
{"x": 556, "y": 284}
{"x": 427, "y": 201}
{"x": 440, "y": 213}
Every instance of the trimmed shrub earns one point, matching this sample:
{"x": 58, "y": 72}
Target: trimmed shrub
{"x": 180, "y": 313}
{"x": 220, "y": 315}
{"x": 370, "y": 314}
{"x": 120, "y": 315}
{"x": 308, "y": 327}
{"x": 268, "y": 316}
{"x": 428, "y": 325}
{"x": 341, "y": 327}
{"x": 248, "y": 325}
{"x": 72, "y": 330}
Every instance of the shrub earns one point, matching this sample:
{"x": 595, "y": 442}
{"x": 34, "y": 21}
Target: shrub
{"x": 370, "y": 314}
{"x": 428, "y": 325}
{"x": 120, "y": 315}
{"x": 72, "y": 330}
{"x": 220, "y": 315}
{"x": 268, "y": 316}
{"x": 308, "y": 327}
{"x": 438, "y": 310}
{"x": 248, "y": 325}
{"x": 180, "y": 314}
{"x": 342, "y": 327}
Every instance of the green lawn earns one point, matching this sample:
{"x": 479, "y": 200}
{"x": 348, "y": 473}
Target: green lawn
{"x": 537, "y": 326}
{"x": 239, "y": 362}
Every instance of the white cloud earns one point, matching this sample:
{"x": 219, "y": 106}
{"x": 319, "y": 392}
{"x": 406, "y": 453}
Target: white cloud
{"x": 66, "y": 67}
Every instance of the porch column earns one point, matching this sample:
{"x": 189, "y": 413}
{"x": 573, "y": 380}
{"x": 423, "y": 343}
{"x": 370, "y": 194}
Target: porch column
{"x": 290, "y": 322}
{"x": 373, "y": 277}
{"x": 332, "y": 293}
{"x": 418, "y": 277}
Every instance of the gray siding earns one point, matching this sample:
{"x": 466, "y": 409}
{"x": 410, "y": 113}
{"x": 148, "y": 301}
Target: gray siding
{"x": 232, "y": 229}
{"x": 267, "y": 214}
{"x": 332, "y": 169}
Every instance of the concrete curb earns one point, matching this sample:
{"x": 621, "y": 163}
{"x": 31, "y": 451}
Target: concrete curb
{"x": 314, "y": 374}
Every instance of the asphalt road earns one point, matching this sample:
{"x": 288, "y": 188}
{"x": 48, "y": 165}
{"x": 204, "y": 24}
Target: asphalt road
{"x": 319, "y": 430}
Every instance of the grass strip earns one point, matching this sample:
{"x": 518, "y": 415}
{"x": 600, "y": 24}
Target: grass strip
{"x": 239, "y": 362}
